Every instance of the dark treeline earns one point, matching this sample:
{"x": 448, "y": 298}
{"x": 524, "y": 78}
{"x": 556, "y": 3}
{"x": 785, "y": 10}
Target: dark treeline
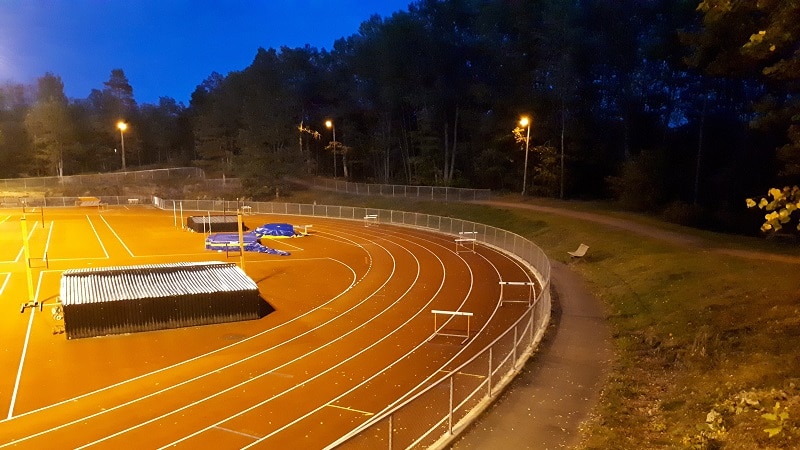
{"x": 677, "y": 107}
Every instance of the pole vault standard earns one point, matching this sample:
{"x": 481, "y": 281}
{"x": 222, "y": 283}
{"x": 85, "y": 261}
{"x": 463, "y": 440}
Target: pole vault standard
{"x": 437, "y": 331}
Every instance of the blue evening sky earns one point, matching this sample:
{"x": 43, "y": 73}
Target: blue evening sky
{"x": 165, "y": 47}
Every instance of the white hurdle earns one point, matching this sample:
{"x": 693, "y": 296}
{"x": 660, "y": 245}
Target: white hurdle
{"x": 466, "y": 243}
{"x": 531, "y": 291}
{"x": 370, "y": 219}
{"x": 305, "y": 228}
{"x": 438, "y": 312}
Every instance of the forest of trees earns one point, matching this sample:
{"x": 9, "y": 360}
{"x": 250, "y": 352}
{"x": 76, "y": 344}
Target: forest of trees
{"x": 678, "y": 107}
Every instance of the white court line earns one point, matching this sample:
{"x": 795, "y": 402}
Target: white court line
{"x": 22, "y": 249}
{"x": 49, "y": 235}
{"x": 21, "y": 363}
{"x": 117, "y": 236}
{"x": 8, "y": 277}
{"x": 97, "y": 235}
{"x": 24, "y": 352}
{"x": 5, "y": 218}
{"x": 165, "y": 369}
{"x": 281, "y": 241}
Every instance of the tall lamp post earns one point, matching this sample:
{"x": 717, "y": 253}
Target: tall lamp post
{"x": 523, "y": 122}
{"x": 122, "y": 127}
{"x": 329, "y": 124}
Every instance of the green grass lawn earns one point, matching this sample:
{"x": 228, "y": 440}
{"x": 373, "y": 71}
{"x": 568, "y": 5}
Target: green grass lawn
{"x": 706, "y": 343}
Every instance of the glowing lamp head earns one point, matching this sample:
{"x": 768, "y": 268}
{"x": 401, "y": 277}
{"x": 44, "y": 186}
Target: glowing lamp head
{"x": 524, "y": 122}
{"x": 328, "y": 124}
{"x": 122, "y": 126}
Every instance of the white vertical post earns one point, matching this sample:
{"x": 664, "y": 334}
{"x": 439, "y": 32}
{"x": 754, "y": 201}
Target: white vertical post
{"x": 489, "y": 375}
{"x": 450, "y": 409}
{"x": 241, "y": 239}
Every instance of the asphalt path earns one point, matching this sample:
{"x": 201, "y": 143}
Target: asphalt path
{"x": 546, "y": 403}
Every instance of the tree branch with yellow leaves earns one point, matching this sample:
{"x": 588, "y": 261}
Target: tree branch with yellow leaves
{"x": 781, "y": 204}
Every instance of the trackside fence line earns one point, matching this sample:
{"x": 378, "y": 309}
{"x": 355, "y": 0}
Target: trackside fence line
{"x": 401, "y": 190}
{"x": 433, "y": 417}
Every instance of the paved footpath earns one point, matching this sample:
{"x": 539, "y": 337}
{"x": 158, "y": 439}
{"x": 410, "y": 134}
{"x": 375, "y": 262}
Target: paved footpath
{"x": 544, "y": 406}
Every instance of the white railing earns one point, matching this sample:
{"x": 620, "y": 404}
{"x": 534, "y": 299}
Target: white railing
{"x": 435, "y": 416}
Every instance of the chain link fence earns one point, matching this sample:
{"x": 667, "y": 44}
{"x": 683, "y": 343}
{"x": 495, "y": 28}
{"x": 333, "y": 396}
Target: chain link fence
{"x": 112, "y": 178}
{"x": 401, "y": 190}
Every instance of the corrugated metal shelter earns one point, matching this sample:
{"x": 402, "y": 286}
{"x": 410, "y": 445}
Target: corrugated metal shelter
{"x": 127, "y": 299}
{"x": 211, "y": 224}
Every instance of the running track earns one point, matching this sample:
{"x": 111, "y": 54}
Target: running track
{"x": 351, "y": 332}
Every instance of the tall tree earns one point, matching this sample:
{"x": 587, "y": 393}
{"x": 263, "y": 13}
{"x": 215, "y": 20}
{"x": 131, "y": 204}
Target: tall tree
{"x": 49, "y": 124}
{"x": 760, "y": 40}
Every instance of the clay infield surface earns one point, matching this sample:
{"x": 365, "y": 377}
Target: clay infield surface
{"x": 349, "y": 333}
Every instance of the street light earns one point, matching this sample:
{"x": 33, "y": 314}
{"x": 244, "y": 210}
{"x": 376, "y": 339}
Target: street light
{"x": 122, "y": 127}
{"x": 329, "y": 124}
{"x": 524, "y": 122}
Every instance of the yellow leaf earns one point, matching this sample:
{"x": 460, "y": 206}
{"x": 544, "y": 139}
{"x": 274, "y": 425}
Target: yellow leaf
{"x": 773, "y": 431}
{"x": 750, "y": 203}
{"x": 772, "y": 48}
{"x": 776, "y": 194}
{"x": 763, "y": 203}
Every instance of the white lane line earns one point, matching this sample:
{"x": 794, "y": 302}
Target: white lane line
{"x": 466, "y": 374}
{"x": 251, "y": 436}
{"x": 97, "y": 235}
{"x": 363, "y": 413}
{"x": 117, "y": 236}
{"x": 400, "y": 297}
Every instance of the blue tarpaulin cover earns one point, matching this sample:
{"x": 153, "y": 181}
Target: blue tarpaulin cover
{"x": 275, "y": 230}
{"x": 230, "y": 241}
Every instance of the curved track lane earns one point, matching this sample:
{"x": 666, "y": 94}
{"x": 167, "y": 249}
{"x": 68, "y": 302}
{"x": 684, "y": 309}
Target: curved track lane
{"x": 351, "y": 334}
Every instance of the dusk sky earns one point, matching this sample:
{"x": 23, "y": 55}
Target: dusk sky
{"x": 165, "y": 47}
